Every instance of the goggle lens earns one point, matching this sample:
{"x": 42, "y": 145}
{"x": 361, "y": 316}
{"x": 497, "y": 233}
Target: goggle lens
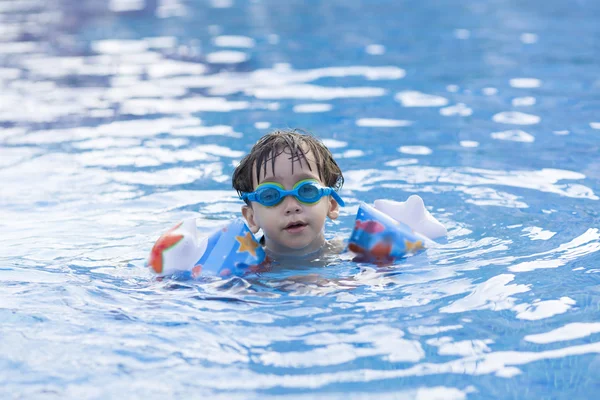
{"x": 308, "y": 192}
{"x": 269, "y": 196}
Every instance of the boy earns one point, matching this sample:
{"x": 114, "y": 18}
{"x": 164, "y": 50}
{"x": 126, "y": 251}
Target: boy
{"x": 289, "y": 182}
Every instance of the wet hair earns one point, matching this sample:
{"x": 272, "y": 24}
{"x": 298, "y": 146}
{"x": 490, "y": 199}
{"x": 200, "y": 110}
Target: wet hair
{"x": 299, "y": 143}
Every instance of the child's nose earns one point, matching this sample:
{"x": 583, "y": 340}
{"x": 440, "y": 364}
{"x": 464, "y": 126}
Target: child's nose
{"x": 291, "y": 205}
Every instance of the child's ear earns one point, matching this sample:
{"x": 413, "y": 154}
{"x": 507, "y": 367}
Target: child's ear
{"x": 248, "y": 214}
{"x": 334, "y": 209}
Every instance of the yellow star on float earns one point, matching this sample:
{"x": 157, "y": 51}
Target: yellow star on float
{"x": 247, "y": 243}
{"x": 412, "y": 247}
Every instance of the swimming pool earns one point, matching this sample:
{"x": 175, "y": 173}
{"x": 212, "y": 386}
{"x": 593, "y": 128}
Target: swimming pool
{"x": 120, "y": 118}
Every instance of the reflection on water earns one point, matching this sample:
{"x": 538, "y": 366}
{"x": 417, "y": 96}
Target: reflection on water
{"x": 119, "y": 118}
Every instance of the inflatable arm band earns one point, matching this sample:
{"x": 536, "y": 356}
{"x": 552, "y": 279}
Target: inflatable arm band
{"x": 392, "y": 230}
{"x": 231, "y": 250}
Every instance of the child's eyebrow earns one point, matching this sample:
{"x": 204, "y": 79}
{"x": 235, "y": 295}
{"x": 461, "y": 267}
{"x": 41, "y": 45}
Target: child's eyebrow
{"x": 279, "y": 178}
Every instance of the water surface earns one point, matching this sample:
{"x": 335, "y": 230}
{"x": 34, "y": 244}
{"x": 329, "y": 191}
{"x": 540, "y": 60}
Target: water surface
{"x": 120, "y": 118}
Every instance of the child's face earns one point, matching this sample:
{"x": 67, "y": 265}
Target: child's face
{"x": 290, "y": 227}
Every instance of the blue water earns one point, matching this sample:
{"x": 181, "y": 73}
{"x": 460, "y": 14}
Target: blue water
{"x": 120, "y": 118}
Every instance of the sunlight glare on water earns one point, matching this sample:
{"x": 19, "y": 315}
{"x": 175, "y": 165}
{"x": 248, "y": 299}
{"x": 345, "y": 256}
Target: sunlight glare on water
{"x": 118, "y": 119}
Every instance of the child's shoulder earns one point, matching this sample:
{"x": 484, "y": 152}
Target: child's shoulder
{"x": 335, "y": 245}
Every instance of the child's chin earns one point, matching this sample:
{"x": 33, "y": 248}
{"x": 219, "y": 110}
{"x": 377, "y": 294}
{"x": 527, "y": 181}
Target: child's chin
{"x": 305, "y": 246}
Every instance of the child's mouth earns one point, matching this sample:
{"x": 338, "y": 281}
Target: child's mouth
{"x": 295, "y": 227}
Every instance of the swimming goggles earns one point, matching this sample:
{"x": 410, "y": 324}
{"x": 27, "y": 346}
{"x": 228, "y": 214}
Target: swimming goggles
{"x": 306, "y": 191}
